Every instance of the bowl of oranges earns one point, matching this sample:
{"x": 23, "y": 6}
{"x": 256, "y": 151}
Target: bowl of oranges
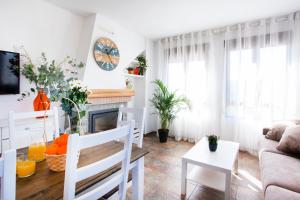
{"x": 56, "y": 153}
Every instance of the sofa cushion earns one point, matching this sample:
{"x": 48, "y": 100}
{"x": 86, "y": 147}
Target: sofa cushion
{"x": 278, "y": 193}
{"x": 290, "y": 141}
{"x": 278, "y": 129}
{"x": 280, "y": 170}
{"x": 268, "y": 145}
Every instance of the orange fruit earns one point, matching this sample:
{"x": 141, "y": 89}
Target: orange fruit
{"x": 62, "y": 149}
{"x": 52, "y": 149}
{"x": 62, "y": 140}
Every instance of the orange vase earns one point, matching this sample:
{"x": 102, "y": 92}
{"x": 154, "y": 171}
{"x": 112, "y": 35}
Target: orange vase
{"x": 41, "y": 101}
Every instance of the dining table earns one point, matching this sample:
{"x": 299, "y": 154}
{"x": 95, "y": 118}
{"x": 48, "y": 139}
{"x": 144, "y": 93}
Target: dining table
{"x": 45, "y": 184}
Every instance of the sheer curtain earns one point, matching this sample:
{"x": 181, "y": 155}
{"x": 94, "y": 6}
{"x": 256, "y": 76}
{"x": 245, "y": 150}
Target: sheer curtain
{"x": 189, "y": 70}
{"x": 239, "y": 78}
{"x": 262, "y": 77}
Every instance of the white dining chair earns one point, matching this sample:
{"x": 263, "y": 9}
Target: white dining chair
{"x": 74, "y": 174}
{"x": 23, "y": 124}
{"x": 138, "y": 115}
{"x": 8, "y": 175}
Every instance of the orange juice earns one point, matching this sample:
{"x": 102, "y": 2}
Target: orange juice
{"x": 25, "y": 168}
{"x": 36, "y": 152}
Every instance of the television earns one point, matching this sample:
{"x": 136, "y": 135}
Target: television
{"x": 9, "y": 72}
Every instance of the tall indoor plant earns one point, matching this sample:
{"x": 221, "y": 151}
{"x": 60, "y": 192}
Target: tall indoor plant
{"x": 167, "y": 105}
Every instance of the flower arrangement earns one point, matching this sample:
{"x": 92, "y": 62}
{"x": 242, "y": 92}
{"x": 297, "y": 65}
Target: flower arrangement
{"x": 59, "y": 82}
{"x": 73, "y": 103}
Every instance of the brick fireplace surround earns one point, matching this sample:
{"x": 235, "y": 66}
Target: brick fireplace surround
{"x": 102, "y": 99}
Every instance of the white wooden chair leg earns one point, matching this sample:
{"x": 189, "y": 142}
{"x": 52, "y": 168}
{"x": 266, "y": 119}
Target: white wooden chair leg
{"x": 138, "y": 180}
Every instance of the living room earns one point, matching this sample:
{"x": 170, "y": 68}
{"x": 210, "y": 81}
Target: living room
{"x": 150, "y": 99}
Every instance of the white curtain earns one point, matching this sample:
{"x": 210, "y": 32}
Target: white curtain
{"x": 238, "y": 78}
{"x": 190, "y": 70}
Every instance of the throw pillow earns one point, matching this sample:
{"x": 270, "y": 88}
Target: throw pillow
{"x": 290, "y": 141}
{"x": 277, "y": 130}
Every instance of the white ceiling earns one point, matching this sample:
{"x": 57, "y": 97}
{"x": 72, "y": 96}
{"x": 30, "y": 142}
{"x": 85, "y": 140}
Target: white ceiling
{"x": 160, "y": 18}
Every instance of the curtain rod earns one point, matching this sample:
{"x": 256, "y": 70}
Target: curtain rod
{"x": 233, "y": 27}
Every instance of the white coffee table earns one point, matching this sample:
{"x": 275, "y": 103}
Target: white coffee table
{"x": 212, "y": 169}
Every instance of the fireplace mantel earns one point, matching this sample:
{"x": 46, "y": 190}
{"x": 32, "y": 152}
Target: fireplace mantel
{"x": 109, "y": 93}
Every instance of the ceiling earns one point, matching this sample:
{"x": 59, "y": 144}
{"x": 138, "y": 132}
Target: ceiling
{"x": 160, "y": 18}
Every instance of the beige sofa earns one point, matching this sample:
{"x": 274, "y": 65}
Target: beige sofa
{"x": 280, "y": 172}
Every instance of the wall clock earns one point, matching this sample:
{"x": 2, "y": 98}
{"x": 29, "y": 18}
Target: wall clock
{"x": 106, "y": 54}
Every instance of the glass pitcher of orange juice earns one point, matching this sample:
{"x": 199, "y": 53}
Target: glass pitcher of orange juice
{"x": 37, "y": 148}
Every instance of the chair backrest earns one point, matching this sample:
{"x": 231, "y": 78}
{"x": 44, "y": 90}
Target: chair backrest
{"x": 138, "y": 115}
{"x": 8, "y": 174}
{"x": 74, "y": 174}
{"x": 23, "y": 124}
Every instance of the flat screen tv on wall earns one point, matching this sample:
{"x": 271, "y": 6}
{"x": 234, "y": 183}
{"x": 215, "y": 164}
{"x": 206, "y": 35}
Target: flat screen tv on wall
{"x": 9, "y": 72}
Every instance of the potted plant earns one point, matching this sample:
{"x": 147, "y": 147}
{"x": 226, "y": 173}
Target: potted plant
{"x": 142, "y": 64}
{"x": 47, "y": 77}
{"x": 167, "y": 104}
{"x": 130, "y": 70}
{"x": 212, "y": 142}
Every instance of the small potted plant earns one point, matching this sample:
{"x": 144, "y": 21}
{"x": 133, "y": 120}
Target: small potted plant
{"x": 212, "y": 142}
{"x": 142, "y": 64}
{"x": 130, "y": 70}
{"x": 167, "y": 104}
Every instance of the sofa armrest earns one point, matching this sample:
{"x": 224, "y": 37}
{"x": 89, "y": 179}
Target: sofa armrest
{"x": 265, "y": 131}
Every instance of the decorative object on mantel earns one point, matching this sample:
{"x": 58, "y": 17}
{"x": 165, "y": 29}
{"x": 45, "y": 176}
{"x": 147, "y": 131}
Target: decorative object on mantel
{"x": 212, "y": 142}
{"x": 47, "y": 76}
{"x": 167, "y": 105}
{"x": 73, "y": 103}
{"x": 106, "y": 54}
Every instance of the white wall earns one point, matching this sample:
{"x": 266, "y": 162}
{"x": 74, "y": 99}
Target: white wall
{"x": 40, "y": 27}
{"x": 43, "y": 27}
{"x": 151, "y": 53}
{"x": 130, "y": 45}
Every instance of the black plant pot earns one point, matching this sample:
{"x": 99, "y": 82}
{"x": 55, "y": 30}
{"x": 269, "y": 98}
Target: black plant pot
{"x": 213, "y": 147}
{"x": 163, "y": 135}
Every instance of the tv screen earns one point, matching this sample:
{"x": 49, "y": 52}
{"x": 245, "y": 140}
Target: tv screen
{"x": 9, "y": 72}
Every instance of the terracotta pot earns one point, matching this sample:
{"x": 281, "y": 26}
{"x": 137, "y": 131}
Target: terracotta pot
{"x": 41, "y": 101}
{"x": 131, "y": 71}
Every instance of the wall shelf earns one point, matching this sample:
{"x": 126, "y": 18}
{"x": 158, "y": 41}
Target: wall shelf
{"x": 134, "y": 76}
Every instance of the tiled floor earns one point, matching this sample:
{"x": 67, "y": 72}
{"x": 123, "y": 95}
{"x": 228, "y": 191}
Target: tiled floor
{"x": 163, "y": 174}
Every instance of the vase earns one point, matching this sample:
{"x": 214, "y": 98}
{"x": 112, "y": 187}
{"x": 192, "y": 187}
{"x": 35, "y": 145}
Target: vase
{"x": 41, "y": 101}
{"x": 213, "y": 147}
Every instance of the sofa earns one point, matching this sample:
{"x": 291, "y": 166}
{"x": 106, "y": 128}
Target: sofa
{"x": 280, "y": 172}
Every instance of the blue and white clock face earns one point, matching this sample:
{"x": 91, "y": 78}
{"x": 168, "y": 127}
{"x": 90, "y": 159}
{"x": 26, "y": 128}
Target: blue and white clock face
{"x": 106, "y": 54}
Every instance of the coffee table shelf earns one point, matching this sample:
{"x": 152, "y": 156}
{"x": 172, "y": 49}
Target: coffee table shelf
{"x": 212, "y": 169}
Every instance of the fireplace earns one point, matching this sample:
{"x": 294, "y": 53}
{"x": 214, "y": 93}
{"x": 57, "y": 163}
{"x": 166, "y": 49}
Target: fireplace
{"x": 101, "y": 120}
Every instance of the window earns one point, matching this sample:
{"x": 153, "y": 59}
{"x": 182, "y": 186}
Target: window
{"x": 190, "y": 79}
{"x": 256, "y": 80}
